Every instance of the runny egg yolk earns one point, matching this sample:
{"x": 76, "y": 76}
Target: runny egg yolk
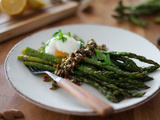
{"x": 60, "y": 54}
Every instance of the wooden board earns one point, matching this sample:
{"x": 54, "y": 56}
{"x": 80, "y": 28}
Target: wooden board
{"x": 33, "y": 19}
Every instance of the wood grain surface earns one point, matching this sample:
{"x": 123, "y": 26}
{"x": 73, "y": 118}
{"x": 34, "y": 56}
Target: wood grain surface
{"x": 34, "y": 19}
{"x": 101, "y": 14}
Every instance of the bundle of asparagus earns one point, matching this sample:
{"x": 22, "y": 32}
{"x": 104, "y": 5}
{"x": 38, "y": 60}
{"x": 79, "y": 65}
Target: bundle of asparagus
{"x": 134, "y": 12}
{"x": 115, "y": 74}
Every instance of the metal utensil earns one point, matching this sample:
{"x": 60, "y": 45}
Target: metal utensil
{"x": 84, "y": 96}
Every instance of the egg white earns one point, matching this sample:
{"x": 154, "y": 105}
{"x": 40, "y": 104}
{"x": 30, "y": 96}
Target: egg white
{"x": 69, "y": 46}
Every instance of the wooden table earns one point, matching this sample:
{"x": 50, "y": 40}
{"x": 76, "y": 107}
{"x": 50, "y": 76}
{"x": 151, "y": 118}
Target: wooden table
{"x": 101, "y": 14}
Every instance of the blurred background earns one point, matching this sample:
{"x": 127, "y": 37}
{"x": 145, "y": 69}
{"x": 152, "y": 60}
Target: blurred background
{"x": 34, "y": 14}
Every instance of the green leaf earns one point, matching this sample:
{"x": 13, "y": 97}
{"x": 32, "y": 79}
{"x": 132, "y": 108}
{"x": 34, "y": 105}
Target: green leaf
{"x": 80, "y": 42}
{"x": 60, "y": 31}
{"x": 43, "y": 43}
{"x": 61, "y": 35}
{"x": 108, "y": 60}
{"x": 64, "y": 39}
{"x": 55, "y": 34}
{"x": 69, "y": 34}
{"x": 100, "y": 55}
{"x": 87, "y": 48}
{"x": 43, "y": 47}
{"x": 94, "y": 57}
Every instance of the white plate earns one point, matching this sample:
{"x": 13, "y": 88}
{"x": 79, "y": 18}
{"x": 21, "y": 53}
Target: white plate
{"x": 32, "y": 88}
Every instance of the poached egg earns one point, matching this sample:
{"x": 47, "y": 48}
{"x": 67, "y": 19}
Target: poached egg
{"x": 60, "y": 48}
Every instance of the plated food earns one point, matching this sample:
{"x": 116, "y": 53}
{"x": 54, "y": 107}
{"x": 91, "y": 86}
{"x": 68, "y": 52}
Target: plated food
{"x": 56, "y": 99}
{"x": 115, "y": 74}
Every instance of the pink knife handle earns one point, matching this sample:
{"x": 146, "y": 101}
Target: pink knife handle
{"x": 84, "y": 96}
